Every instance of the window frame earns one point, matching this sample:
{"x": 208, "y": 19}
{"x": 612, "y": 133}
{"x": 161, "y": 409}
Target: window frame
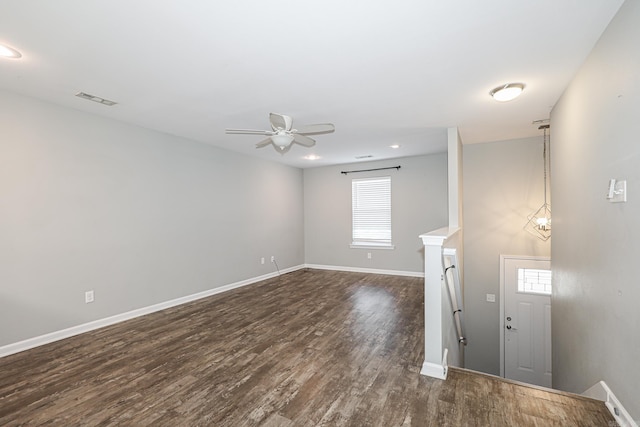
{"x": 378, "y": 242}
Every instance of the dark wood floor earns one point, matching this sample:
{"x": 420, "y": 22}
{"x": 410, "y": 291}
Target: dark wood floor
{"x": 309, "y": 348}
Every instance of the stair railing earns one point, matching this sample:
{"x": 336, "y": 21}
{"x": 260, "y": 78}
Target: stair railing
{"x": 452, "y": 279}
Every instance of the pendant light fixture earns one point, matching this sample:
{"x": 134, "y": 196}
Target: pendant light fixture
{"x": 539, "y": 222}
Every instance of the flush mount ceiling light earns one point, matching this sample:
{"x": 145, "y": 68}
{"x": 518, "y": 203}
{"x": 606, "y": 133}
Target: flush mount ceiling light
{"x": 9, "y": 52}
{"x": 395, "y": 146}
{"x": 507, "y": 92}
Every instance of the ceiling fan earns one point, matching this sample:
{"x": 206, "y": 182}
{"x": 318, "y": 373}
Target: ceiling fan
{"x": 282, "y": 134}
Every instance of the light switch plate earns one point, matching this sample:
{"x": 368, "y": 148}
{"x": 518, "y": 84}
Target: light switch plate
{"x": 619, "y": 192}
{"x": 88, "y": 297}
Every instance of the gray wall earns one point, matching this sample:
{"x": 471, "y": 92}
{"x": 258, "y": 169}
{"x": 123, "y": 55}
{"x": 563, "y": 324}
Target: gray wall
{"x": 138, "y": 216}
{"x": 596, "y": 244}
{"x": 419, "y": 204}
{"x": 503, "y": 183}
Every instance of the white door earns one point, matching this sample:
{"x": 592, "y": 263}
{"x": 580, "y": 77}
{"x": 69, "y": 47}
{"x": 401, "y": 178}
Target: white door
{"x": 527, "y": 320}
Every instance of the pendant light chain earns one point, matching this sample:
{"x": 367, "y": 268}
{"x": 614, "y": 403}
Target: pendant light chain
{"x": 544, "y": 158}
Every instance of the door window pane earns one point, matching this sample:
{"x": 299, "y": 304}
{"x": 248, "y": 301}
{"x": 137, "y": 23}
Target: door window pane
{"x": 534, "y": 281}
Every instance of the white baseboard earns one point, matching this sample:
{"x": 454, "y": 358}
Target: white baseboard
{"x": 366, "y": 270}
{"x": 434, "y": 370}
{"x": 601, "y": 391}
{"x": 100, "y": 323}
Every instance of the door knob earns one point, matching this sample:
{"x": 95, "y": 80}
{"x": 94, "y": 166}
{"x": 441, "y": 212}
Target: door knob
{"x": 508, "y": 326}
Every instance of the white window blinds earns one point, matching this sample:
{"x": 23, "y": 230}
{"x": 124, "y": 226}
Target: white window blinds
{"x": 371, "y": 210}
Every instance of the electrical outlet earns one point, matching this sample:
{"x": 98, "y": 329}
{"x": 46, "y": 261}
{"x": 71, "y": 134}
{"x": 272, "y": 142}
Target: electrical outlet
{"x": 273, "y": 258}
{"x": 491, "y": 297}
{"x": 88, "y": 297}
{"x": 368, "y": 255}
{"x": 262, "y": 260}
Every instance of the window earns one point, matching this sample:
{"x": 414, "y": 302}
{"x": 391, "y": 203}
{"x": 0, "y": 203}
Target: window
{"x": 533, "y": 281}
{"x": 371, "y": 212}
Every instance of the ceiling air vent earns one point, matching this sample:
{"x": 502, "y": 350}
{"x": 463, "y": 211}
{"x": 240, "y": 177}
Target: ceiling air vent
{"x": 95, "y": 99}
{"x": 366, "y": 156}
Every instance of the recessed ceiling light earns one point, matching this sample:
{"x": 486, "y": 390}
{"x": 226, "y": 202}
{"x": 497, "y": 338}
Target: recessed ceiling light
{"x": 9, "y": 52}
{"x": 312, "y": 157}
{"x": 507, "y": 92}
{"x": 395, "y": 146}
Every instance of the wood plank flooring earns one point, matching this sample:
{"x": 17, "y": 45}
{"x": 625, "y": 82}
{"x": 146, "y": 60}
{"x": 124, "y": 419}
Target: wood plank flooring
{"x": 308, "y": 348}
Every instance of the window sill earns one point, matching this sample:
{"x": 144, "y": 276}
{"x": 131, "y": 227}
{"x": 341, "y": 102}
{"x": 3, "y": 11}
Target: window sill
{"x": 369, "y": 245}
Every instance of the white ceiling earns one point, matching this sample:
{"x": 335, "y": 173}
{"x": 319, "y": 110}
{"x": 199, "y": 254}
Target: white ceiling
{"x": 382, "y": 71}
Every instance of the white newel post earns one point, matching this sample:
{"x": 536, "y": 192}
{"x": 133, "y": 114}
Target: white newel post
{"x": 435, "y": 354}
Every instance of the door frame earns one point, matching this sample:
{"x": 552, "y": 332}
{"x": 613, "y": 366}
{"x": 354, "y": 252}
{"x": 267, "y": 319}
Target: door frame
{"x": 503, "y": 258}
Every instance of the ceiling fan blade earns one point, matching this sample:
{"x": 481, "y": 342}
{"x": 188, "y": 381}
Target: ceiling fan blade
{"x": 316, "y": 129}
{"x": 303, "y": 140}
{"x": 249, "y": 131}
{"x": 264, "y": 143}
{"x": 280, "y": 121}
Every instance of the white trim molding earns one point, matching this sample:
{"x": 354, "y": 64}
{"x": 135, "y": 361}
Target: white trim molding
{"x": 436, "y": 370}
{"x": 601, "y": 391}
{"x": 365, "y": 270}
{"x": 437, "y": 303}
{"x": 438, "y": 237}
{"x": 107, "y": 321}
{"x": 359, "y": 245}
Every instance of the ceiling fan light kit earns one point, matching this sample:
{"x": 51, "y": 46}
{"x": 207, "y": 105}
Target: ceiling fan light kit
{"x": 282, "y": 134}
{"x": 282, "y": 140}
